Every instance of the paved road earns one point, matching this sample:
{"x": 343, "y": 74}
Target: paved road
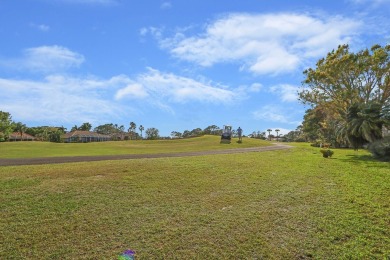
{"x": 71, "y": 159}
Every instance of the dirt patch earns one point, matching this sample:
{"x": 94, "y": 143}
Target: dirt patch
{"x": 72, "y": 159}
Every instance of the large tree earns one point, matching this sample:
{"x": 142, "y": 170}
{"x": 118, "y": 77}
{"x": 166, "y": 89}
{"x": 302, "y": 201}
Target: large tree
{"x": 196, "y": 132}
{"x": 176, "y": 134}
{"x": 318, "y": 125}
{"x": 46, "y": 133}
{"x": 212, "y": 130}
{"x": 5, "y": 125}
{"x": 343, "y": 79}
{"x": 85, "y": 127}
{"x": 106, "y": 129}
{"x": 152, "y": 133}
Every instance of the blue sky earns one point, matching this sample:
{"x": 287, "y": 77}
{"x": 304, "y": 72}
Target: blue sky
{"x": 173, "y": 65}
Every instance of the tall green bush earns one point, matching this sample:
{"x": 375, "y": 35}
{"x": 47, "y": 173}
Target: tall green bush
{"x": 381, "y": 149}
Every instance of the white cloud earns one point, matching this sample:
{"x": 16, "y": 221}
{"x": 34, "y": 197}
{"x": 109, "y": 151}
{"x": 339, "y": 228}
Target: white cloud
{"x": 263, "y": 43}
{"x": 51, "y": 58}
{"x": 143, "y": 31}
{"x": 135, "y": 90}
{"x": 168, "y": 87}
{"x": 276, "y": 61}
{"x": 244, "y": 90}
{"x": 40, "y": 27}
{"x": 269, "y": 115}
{"x": 154, "y": 31}
{"x": 273, "y": 113}
{"x": 166, "y": 5}
{"x": 255, "y": 87}
{"x": 288, "y": 93}
{"x": 46, "y": 59}
{"x": 59, "y": 99}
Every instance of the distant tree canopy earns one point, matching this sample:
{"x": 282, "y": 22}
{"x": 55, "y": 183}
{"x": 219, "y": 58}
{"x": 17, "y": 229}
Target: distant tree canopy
{"x": 85, "y": 127}
{"x": 6, "y": 126}
{"x": 117, "y": 132}
{"x": 46, "y": 133}
{"x": 152, "y": 133}
{"x": 259, "y": 135}
{"x": 132, "y": 129}
{"x": 349, "y": 94}
{"x": 175, "y": 134}
{"x": 107, "y": 129}
{"x": 20, "y": 128}
{"x": 212, "y": 130}
{"x": 141, "y": 128}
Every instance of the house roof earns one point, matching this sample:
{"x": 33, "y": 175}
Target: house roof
{"x": 16, "y": 135}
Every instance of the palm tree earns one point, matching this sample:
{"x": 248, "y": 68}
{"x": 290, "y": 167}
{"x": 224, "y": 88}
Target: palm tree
{"x": 363, "y": 124}
{"x": 121, "y": 131}
{"x": 269, "y": 133}
{"x": 85, "y": 127}
{"x": 141, "y": 128}
{"x": 277, "y": 134}
{"x": 133, "y": 126}
{"x": 20, "y": 128}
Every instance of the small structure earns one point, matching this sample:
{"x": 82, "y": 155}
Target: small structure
{"x": 226, "y": 136}
{"x": 84, "y": 137}
{"x": 16, "y": 136}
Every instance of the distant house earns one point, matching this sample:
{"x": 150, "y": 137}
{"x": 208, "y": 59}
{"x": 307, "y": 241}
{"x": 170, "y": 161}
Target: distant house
{"x": 84, "y": 137}
{"x": 15, "y": 136}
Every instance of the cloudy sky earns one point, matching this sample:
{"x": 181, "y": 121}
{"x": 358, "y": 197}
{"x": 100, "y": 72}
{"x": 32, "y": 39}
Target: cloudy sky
{"x": 174, "y": 65}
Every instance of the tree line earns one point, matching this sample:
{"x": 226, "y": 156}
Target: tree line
{"x": 117, "y": 132}
{"x": 53, "y": 134}
{"x": 42, "y": 133}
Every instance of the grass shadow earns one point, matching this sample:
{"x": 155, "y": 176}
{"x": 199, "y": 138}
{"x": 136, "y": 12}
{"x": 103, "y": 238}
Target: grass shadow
{"x": 367, "y": 160}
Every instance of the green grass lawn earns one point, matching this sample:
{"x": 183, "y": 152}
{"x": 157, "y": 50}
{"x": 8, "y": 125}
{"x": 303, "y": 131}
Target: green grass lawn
{"x": 286, "y": 204}
{"x": 46, "y": 149}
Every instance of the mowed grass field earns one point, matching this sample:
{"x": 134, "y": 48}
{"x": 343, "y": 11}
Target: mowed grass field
{"x": 286, "y": 204}
{"x": 47, "y": 149}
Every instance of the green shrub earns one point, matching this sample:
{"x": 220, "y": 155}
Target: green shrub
{"x": 381, "y": 149}
{"x": 315, "y": 144}
{"x": 326, "y": 153}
